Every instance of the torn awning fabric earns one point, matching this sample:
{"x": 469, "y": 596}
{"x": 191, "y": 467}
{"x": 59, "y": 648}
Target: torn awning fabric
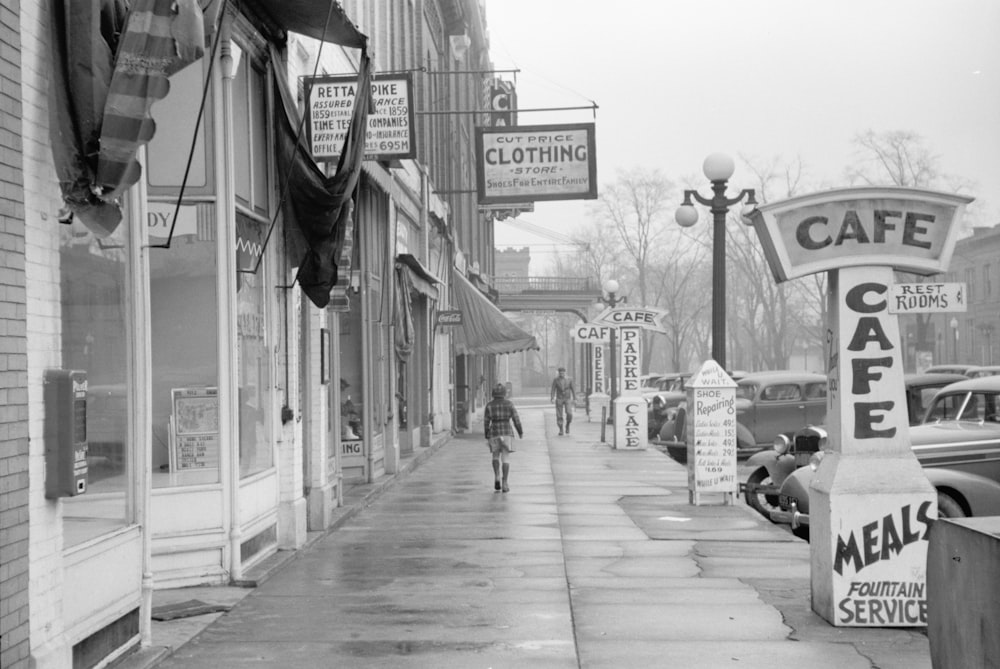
{"x": 318, "y": 211}
{"x": 484, "y": 329}
{"x": 111, "y": 60}
{"x": 324, "y": 20}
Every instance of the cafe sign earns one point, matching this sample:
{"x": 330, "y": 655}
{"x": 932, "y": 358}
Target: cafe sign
{"x": 645, "y": 318}
{"x": 870, "y": 503}
{"x": 909, "y": 229}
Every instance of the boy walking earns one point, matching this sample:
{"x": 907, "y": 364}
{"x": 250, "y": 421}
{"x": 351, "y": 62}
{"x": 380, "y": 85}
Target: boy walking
{"x": 564, "y": 396}
{"x": 497, "y": 418}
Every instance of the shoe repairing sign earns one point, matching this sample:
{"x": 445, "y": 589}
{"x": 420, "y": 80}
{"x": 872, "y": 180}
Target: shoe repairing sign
{"x": 536, "y": 162}
{"x": 870, "y": 504}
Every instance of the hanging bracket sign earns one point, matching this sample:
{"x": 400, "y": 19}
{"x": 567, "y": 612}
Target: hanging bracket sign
{"x": 330, "y": 104}
{"x": 536, "y": 162}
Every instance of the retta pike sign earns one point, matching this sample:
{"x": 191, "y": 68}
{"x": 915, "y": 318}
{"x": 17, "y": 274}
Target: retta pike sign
{"x": 908, "y": 229}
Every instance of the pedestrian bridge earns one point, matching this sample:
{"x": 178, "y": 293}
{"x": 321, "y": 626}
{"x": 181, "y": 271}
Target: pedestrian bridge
{"x": 547, "y": 293}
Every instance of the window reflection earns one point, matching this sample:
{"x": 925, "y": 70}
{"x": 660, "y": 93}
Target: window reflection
{"x": 92, "y": 308}
{"x": 184, "y": 338}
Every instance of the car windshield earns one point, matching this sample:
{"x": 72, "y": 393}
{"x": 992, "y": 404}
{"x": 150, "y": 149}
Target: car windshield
{"x": 969, "y": 406}
{"x": 746, "y": 391}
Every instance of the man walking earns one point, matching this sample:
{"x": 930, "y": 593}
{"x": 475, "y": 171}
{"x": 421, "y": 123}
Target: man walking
{"x": 564, "y": 397}
{"x": 497, "y": 418}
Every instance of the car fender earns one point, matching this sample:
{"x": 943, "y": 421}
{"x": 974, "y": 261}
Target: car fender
{"x": 979, "y": 494}
{"x": 744, "y": 438}
{"x": 778, "y": 465}
{"x": 796, "y": 485}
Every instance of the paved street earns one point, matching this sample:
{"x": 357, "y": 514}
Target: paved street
{"x": 593, "y": 559}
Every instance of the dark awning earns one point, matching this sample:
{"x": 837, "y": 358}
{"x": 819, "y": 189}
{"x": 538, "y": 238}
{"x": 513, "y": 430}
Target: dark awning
{"x": 484, "y": 329}
{"x": 321, "y": 19}
{"x": 421, "y": 280}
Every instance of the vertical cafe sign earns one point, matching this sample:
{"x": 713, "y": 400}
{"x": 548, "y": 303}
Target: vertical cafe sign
{"x": 870, "y": 504}
{"x": 536, "y": 162}
{"x": 330, "y": 103}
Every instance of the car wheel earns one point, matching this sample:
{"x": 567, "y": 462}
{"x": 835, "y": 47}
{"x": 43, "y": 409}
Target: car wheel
{"x": 948, "y": 507}
{"x": 760, "y": 503}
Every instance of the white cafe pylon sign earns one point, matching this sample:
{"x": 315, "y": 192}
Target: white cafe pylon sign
{"x": 630, "y": 413}
{"x": 596, "y": 334}
{"x": 870, "y": 505}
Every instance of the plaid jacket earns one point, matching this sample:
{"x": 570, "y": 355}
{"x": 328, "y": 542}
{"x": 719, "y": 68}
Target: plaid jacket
{"x": 497, "y": 417}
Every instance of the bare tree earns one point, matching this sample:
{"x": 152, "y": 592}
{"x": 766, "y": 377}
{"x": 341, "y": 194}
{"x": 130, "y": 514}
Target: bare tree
{"x": 900, "y": 158}
{"x": 638, "y": 206}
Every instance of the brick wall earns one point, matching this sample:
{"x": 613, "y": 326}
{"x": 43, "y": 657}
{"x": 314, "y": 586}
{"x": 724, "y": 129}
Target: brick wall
{"x": 41, "y": 266}
{"x": 14, "y": 646}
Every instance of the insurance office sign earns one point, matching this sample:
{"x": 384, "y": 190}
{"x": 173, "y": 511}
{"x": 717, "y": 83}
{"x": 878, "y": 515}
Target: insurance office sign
{"x": 536, "y": 162}
{"x": 330, "y": 105}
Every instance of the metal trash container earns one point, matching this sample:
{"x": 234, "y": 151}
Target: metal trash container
{"x": 963, "y": 600}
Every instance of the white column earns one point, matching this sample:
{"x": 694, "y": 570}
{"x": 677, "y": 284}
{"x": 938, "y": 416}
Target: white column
{"x": 871, "y": 505}
{"x": 630, "y": 407}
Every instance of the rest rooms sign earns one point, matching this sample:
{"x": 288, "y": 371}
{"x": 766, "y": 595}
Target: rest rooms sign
{"x": 927, "y": 298}
{"x": 330, "y": 103}
{"x": 536, "y": 162}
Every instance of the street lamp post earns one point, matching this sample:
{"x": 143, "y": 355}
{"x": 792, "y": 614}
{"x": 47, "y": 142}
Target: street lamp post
{"x": 612, "y": 299}
{"x": 718, "y": 167}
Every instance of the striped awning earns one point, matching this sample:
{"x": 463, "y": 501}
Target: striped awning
{"x": 485, "y": 329}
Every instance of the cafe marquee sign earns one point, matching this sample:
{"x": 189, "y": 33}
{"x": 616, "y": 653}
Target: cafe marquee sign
{"x": 870, "y": 504}
{"x": 908, "y": 229}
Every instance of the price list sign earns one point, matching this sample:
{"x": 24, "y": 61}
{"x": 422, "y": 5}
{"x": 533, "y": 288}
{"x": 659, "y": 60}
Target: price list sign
{"x": 712, "y": 434}
{"x": 194, "y": 434}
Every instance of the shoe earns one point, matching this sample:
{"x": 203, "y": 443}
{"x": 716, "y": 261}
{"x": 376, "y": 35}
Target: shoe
{"x": 567, "y": 429}
{"x": 496, "y": 485}
{"x": 560, "y": 433}
{"x": 505, "y": 488}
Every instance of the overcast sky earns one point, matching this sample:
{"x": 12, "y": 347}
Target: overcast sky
{"x": 676, "y": 80}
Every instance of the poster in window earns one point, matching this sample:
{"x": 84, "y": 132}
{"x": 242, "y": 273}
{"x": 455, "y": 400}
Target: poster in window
{"x": 194, "y": 429}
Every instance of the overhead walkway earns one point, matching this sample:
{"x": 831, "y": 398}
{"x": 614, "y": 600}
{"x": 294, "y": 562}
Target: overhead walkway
{"x": 547, "y": 293}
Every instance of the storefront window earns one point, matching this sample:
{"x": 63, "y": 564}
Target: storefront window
{"x": 254, "y": 373}
{"x": 184, "y": 336}
{"x": 93, "y": 311}
{"x": 176, "y": 117}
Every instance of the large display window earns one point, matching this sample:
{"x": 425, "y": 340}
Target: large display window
{"x": 185, "y": 367}
{"x": 92, "y": 283}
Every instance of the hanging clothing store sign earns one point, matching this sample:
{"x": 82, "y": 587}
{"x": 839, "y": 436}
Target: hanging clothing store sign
{"x": 536, "y": 162}
{"x": 330, "y": 103}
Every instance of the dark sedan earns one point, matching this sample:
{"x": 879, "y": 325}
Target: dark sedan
{"x": 958, "y": 444}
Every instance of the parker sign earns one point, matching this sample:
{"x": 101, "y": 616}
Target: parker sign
{"x": 536, "y": 162}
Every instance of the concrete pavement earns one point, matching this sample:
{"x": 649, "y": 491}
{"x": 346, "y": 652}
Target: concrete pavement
{"x": 593, "y": 559}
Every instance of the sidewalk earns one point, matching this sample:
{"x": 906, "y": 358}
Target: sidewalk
{"x": 593, "y": 559}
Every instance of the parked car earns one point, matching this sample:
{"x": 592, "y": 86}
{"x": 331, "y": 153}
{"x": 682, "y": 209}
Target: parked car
{"x": 767, "y": 404}
{"x": 958, "y": 444}
{"x": 951, "y": 368}
{"x": 662, "y": 400}
{"x": 769, "y": 468}
{"x": 984, "y": 370}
